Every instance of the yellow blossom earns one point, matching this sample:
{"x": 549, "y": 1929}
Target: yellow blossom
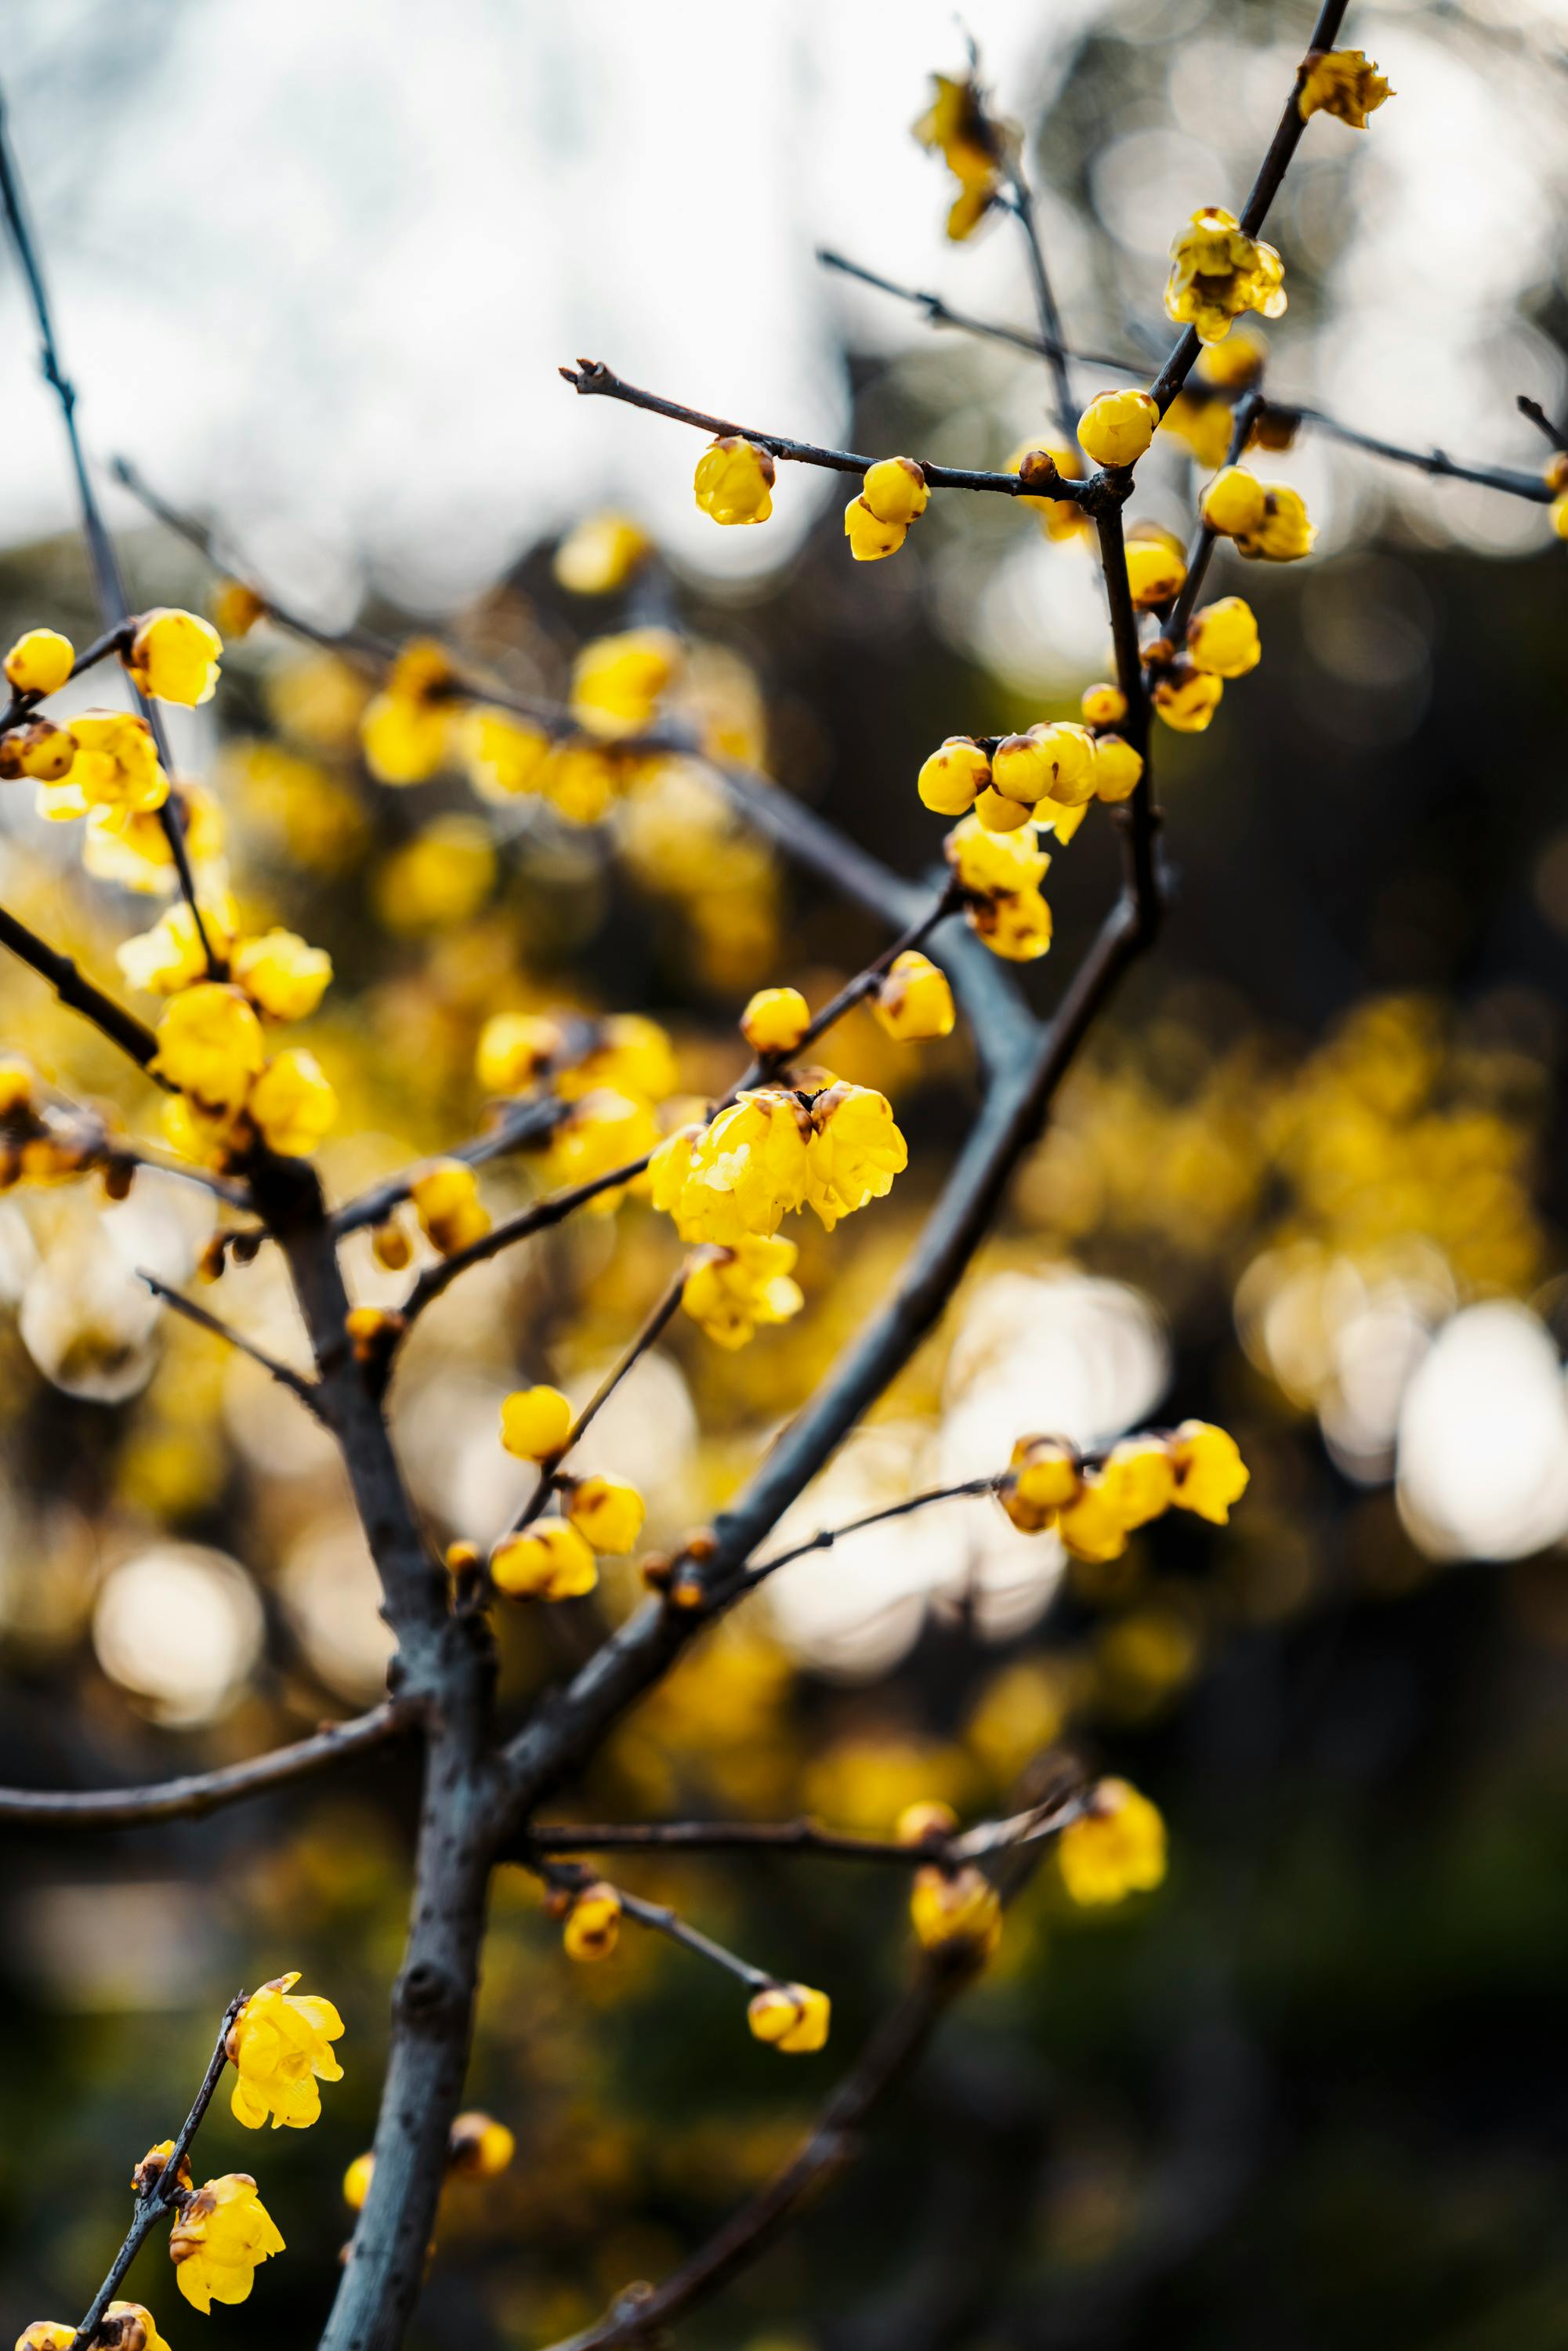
{"x": 617, "y": 681}
{"x": 405, "y": 730}
{"x": 137, "y": 2329}
{"x": 957, "y": 126}
{"x": 1156, "y": 567}
{"x": 608, "y": 1512}
{"x": 515, "y": 1048}
{"x": 549, "y": 1561}
{"x": 1210, "y": 1471}
{"x": 913, "y": 1001}
{"x": 1558, "y": 512}
{"x": 1234, "y": 364}
{"x": 1090, "y": 1525}
{"x": 957, "y": 1907}
{"x": 173, "y": 656}
{"x": 989, "y": 864}
{"x": 220, "y": 2240}
{"x": 775, "y": 1020}
{"x": 1117, "y": 1848}
{"x": 953, "y": 775}
{"x": 40, "y": 750}
{"x": 1139, "y": 1480}
{"x": 1267, "y": 519}
{"x": 599, "y": 554}
{"x": 281, "y": 975}
{"x": 895, "y": 490}
{"x": 592, "y": 1926}
{"x": 39, "y": 661}
{"x": 1203, "y": 420}
{"x": 1103, "y": 706}
{"x": 280, "y": 2045}
{"x": 504, "y": 755}
{"x": 729, "y": 1293}
{"x": 1342, "y": 82}
{"x": 580, "y": 780}
{"x": 602, "y": 1131}
{"x": 854, "y": 1151}
{"x": 1217, "y": 271}
{"x": 1043, "y": 1478}
{"x": 129, "y": 847}
{"x": 293, "y": 1102}
{"x": 1186, "y": 698}
{"x": 1223, "y": 638}
{"x": 1118, "y": 426}
{"x": 734, "y": 481}
{"x": 927, "y": 1818}
{"x": 47, "y": 2335}
{"x": 357, "y": 2181}
{"x": 235, "y": 608}
{"x": 630, "y": 1054}
{"x": 210, "y": 1045}
{"x": 869, "y": 536}
{"x": 439, "y": 878}
{"x": 445, "y": 1199}
{"x": 170, "y": 956}
{"x": 535, "y": 1422}
{"x": 116, "y": 767}
{"x": 478, "y": 2147}
{"x": 739, "y": 1177}
{"x": 1117, "y": 768}
{"x": 790, "y": 2017}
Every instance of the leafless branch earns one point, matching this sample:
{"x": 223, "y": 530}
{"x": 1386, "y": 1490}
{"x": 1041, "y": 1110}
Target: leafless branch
{"x": 305, "y": 1390}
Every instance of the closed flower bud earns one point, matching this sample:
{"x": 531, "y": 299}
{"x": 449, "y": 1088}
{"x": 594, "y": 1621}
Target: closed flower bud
{"x": 999, "y": 814}
{"x": 953, "y": 776}
{"x": 1022, "y": 769}
{"x": 535, "y": 1423}
{"x": 42, "y": 751}
{"x": 790, "y": 2017}
{"x": 549, "y": 1560}
{"x": 957, "y": 1907}
{"x": 617, "y": 681}
{"x": 153, "y": 2165}
{"x": 1118, "y": 426}
{"x": 1060, "y": 518}
{"x": 1103, "y": 706}
{"x": 210, "y": 1045}
{"x": 446, "y": 1201}
{"x": 1156, "y": 567}
{"x": 515, "y": 1048}
{"x": 920, "y": 1824}
{"x": 913, "y": 1001}
{"x": 1233, "y": 503}
{"x": 1186, "y": 698}
{"x": 461, "y": 1560}
{"x": 173, "y": 656}
{"x": 592, "y": 1926}
{"x": 372, "y": 1332}
{"x": 1116, "y": 1849}
{"x": 871, "y": 539}
{"x": 734, "y": 481}
{"x": 1210, "y": 1471}
{"x": 1342, "y": 82}
{"x": 390, "y": 1246}
{"x": 1559, "y": 512}
{"x": 895, "y": 490}
{"x": 599, "y": 554}
{"x": 39, "y": 661}
{"x": 775, "y": 1020}
{"x": 607, "y": 1511}
{"x": 1068, "y": 751}
{"x": 1090, "y": 1527}
{"x": 129, "y": 2327}
{"x": 293, "y": 1104}
{"x": 1043, "y": 1478}
{"x": 237, "y": 609}
{"x": 357, "y": 2181}
{"x": 478, "y": 2147}
{"x": 1223, "y": 639}
{"x": 1117, "y": 768}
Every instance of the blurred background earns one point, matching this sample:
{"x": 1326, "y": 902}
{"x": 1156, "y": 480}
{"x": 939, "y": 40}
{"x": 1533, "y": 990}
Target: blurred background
{"x": 314, "y": 271}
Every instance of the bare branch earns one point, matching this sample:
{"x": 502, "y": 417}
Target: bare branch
{"x": 1050, "y": 330}
{"x": 805, "y": 1837}
{"x": 307, "y": 1391}
{"x": 80, "y": 994}
{"x": 659, "y": 1315}
{"x": 1538, "y": 417}
{"x": 530, "y": 1120}
{"x": 553, "y": 1210}
{"x": 829, "y": 1536}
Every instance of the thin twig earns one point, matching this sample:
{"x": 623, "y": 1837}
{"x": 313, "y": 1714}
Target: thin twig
{"x": 802, "y": 1836}
{"x": 1050, "y": 329}
{"x": 21, "y": 707}
{"x": 1538, "y": 417}
{"x": 656, "y": 1322}
{"x": 1200, "y": 553}
{"x": 523, "y": 1124}
{"x": 538, "y": 1218}
{"x": 307, "y": 1391}
{"x": 827, "y": 1537}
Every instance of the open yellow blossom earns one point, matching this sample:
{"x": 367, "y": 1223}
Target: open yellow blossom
{"x": 592, "y": 1926}
{"x": 1210, "y": 1471}
{"x": 1186, "y": 698}
{"x": 740, "y": 1176}
{"x": 895, "y": 490}
{"x": 790, "y": 2017}
{"x": 1117, "y": 769}
{"x": 775, "y": 1020}
{"x": 281, "y": 975}
{"x": 617, "y": 681}
{"x": 599, "y": 554}
{"x": 549, "y": 1561}
{"x": 957, "y": 127}
{"x": 137, "y": 2329}
{"x": 293, "y": 1104}
{"x": 628, "y": 1054}
{"x": 406, "y": 729}
{"x": 1060, "y": 518}
{"x": 1117, "y": 1848}
{"x": 47, "y": 2335}
{"x": 1043, "y": 1478}
{"x": 446, "y": 1201}
{"x": 170, "y": 956}
{"x": 955, "y": 1906}
{"x": 478, "y": 2147}
{"x": 280, "y": 2045}
{"x": 1090, "y": 1525}
{"x": 604, "y": 1130}
{"x": 535, "y": 1422}
{"x": 869, "y": 537}
{"x": 854, "y": 1151}
{"x": 515, "y": 1050}
{"x": 1217, "y": 271}
{"x": 504, "y": 755}
{"x": 210, "y": 1045}
{"x": 220, "y": 2240}
{"x": 39, "y": 661}
{"x": 1156, "y": 566}
{"x": 953, "y": 775}
{"x": 173, "y": 656}
{"x": 734, "y": 481}
{"x": 913, "y": 1001}
{"x": 1343, "y": 83}
{"x": 1118, "y": 426}
{"x": 729, "y": 1292}
{"x": 116, "y": 767}
{"x": 1139, "y": 1480}
{"x": 608, "y": 1512}
{"x": 1223, "y": 638}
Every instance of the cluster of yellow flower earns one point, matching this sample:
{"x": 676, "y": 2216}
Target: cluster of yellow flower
{"x": 1221, "y": 642}
{"x": 957, "y": 127}
{"x": 555, "y": 1558}
{"x": 821, "y": 1144}
{"x": 999, "y": 875}
{"x": 1095, "y": 1505}
{"x": 45, "y": 1141}
{"x": 1047, "y": 775}
{"x": 1266, "y": 520}
{"x": 213, "y": 1049}
{"x": 894, "y": 494}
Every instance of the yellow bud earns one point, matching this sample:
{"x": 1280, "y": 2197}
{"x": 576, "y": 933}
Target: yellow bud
{"x": 210, "y": 1045}
{"x": 1138, "y": 1480}
{"x": 593, "y": 1923}
{"x": 1117, "y": 768}
{"x": 953, "y": 775}
{"x": 173, "y": 656}
{"x": 895, "y": 490}
{"x": 870, "y": 538}
{"x": 357, "y": 2181}
{"x": 547, "y": 1562}
{"x": 1118, "y": 426}
{"x": 390, "y": 1246}
{"x": 775, "y": 1020}
{"x": 960, "y": 1907}
{"x": 478, "y": 2147}
{"x": 1210, "y": 1471}
{"x": 1043, "y": 1478}
{"x": 920, "y": 1822}
{"x": 1186, "y": 698}
{"x": 913, "y": 1001}
{"x": 599, "y": 554}
{"x": 617, "y": 681}
{"x": 39, "y": 661}
{"x": 535, "y": 1422}
{"x": 1223, "y": 639}
{"x": 734, "y": 481}
{"x": 1000, "y": 815}
{"x": 1233, "y": 502}
{"x": 446, "y": 1201}
{"x": 1090, "y": 1525}
{"x": 1103, "y": 706}
{"x": 293, "y": 1102}
{"x": 607, "y": 1511}
{"x": 1069, "y": 751}
{"x": 1156, "y": 567}
{"x": 281, "y": 975}
{"x": 372, "y": 1332}
{"x": 514, "y": 1049}
{"x": 1559, "y": 512}
{"x": 237, "y": 609}
{"x": 1117, "y": 1848}
{"x": 790, "y": 2017}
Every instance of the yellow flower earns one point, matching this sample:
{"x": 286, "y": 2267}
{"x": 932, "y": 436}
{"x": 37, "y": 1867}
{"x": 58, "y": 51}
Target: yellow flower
{"x": 210, "y": 1045}
{"x": 547, "y": 1562}
{"x": 357, "y": 2181}
{"x": 1186, "y": 698}
{"x": 293, "y": 1102}
{"x": 1236, "y": 362}
{"x": 173, "y": 656}
{"x": 617, "y": 681}
{"x": 1139, "y": 1480}
{"x": 599, "y": 554}
{"x": 115, "y": 767}
{"x": 871, "y": 539}
{"x": 1204, "y": 422}
{"x": 170, "y": 956}
{"x": 1217, "y": 271}
{"x": 1343, "y": 82}
{"x": 913, "y": 1000}
{"x": 608, "y": 1512}
{"x": 281, "y": 975}
{"x": 734, "y": 481}
{"x": 40, "y": 750}
{"x": 1117, "y": 1849}
{"x": 592, "y": 1926}
{"x": 1558, "y": 511}
{"x": 1223, "y": 639}
{"x": 504, "y": 755}
{"x": 953, "y": 775}
{"x": 1088, "y": 1526}
{"x": 220, "y": 2241}
{"x": 1103, "y": 706}
{"x": 439, "y": 878}
{"x": 1000, "y": 874}
{"x": 1060, "y": 761}
{"x": 130, "y": 847}
{"x": 478, "y": 2147}
{"x": 739, "y": 1176}
{"x": 446, "y": 1201}
{"x": 47, "y": 2335}
{"x": 895, "y": 490}
{"x": 775, "y": 1020}
{"x": 1043, "y": 1478}
{"x": 405, "y": 730}
{"x": 1210, "y": 1471}
{"x": 1266, "y": 520}
{"x": 854, "y": 1151}
{"x": 790, "y": 2017}
{"x": 138, "y": 2327}
{"x": 960, "y": 1905}
{"x": 630, "y": 1055}
{"x": 1233, "y": 505}
{"x": 1117, "y": 768}
{"x": 927, "y": 1817}
{"x": 1118, "y": 426}
{"x": 604, "y": 1130}
{"x": 39, "y": 661}
{"x": 1156, "y": 567}
{"x": 729, "y": 1292}
{"x": 957, "y": 126}
{"x": 235, "y": 608}
{"x": 1060, "y": 518}
{"x": 515, "y": 1048}
{"x": 280, "y": 2045}
{"x": 535, "y": 1422}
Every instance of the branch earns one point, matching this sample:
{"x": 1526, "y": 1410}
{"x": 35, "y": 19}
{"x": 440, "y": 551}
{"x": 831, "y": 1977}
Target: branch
{"x": 307, "y": 1391}
{"x": 1051, "y": 332}
{"x": 661, "y": 1314}
{"x": 1538, "y": 417}
{"x": 525, "y": 1123}
{"x": 657, "y": 1917}
{"x": 121, "y": 1028}
{"x": 829, "y": 1536}
{"x": 203, "y": 1791}
{"x": 1200, "y": 553}
{"x": 805, "y": 1837}
{"x": 553, "y": 1210}
{"x": 21, "y": 707}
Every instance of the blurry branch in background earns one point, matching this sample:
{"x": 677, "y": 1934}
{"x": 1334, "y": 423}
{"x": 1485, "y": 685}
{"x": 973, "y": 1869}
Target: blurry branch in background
{"x": 828, "y": 1536}
{"x": 807, "y": 1837}
{"x": 305, "y": 1390}
{"x": 1537, "y": 416}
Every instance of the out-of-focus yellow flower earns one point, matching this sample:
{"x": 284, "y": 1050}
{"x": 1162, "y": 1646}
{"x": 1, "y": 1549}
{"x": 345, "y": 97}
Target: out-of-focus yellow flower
{"x": 775, "y": 1020}
{"x": 1103, "y": 706}
{"x": 1343, "y": 83}
{"x": 390, "y": 1246}
{"x": 441, "y": 877}
{"x": 869, "y": 537}
{"x": 599, "y": 554}
{"x": 40, "y": 750}
{"x": 478, "y": 2147}
{"x": 446, "y": 1201}
{"x": 170, "y": 956}
{"x": 280, "y": 2046}
{"x": 1156, "y": 566}
{"x": 281, "y": 975}
{"x": 790, "y": 2017}
{"x": 1267, "y": 519}
{"x": 1060, "y": 518}
{"x": 601, "y": 1132}
{"x": 630, "y": 1054}
{"x": 854, "y": 1151}
{"x": 515, "y": 1050}
{"x": 617, "y": 681}
{"x": 896, "y": 491}
{"x": 535, "y": 1422}
{"x": 913, "y": 1001}
{"x": 1139, "y": 1480}
{"x": 918, "y": 1823}
{"x": 47, "y": 2335}
{"x": 1117, "y": 769}
{"x": 504, "y": 755}
{"x": 1235, "y": 363}
{"x": 734, "y": 481}
{"x": 406, "y": 729}
{"x": 293, "y": 1104}
{"x": 953, "y": 775}
{"x": 357, "y": 2181}
{"x": 116, "y": 767}
{"x": 220, "y": 2240}
{"x": 173, "y": 656}
{"x": 39, "y": 661}
{"x": 957, "y": 126}
{"x": 1233, "y": 504}
{"x": 1559, "y": 514}
{"x": 608, "y": 1512}
{"x": 1210, "y": 1471}
{"x": 1043, "y": 1478}
{"x": 592, "y": 1926}
{"x": 237, "y": 609}
{"x": 1217, "y": 271}
{"x": 210, "y": 1045}
{"x": 960, "y": 1905}
{"x": 739, "y": 1176}
{"x": 1001, "y": 874}
{"x": 1090, "y": 1525}
{"x": 1204, "y": 421}
{"x": 729, "y": 1293}
{"x": 130, "y": 847}
{"x": 580, "y": 780}
{"x": 1223, "y": 638}
{"x": 1116, "y": 1849}
{"x": 1118, "y": 426}
{"x": 549, "y": 1560}
{"x": 1186, "y": 698}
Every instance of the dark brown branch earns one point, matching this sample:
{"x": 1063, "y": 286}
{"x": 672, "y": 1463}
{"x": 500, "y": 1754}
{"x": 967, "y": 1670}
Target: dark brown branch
{"x": 307, "y": 1391}
{"x": 538, "y": 1218}
{"x": 827, "y": 1537}
{"x": 1200, "y": 552}
{"x": 940, "y": 313}
{"x": 803, "y": 1837}
{"x": 21, "y": 707}
{"x": 657, "y": 1917}
{"x": 121, "y": 1028}
{"x": 523, "y": 1124}
{"x": 1538, "y": 417}
{"x": 203, "y": 1791}
{"x": 1050, "y": 331}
